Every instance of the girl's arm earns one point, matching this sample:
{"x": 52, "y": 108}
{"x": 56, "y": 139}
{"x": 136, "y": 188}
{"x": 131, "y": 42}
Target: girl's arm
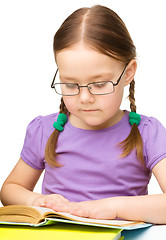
{"x": 18, "y": 188}
{"x": 150, "y": 208}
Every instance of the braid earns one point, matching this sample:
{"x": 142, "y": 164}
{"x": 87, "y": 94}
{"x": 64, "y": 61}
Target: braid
{"x": 134, "y": 139}
{"x": 50, "y": 154}
{"x": 62, "y": 107}
{"x": 131, "y": 96}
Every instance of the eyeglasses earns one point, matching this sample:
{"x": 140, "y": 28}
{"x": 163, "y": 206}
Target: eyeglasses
{"x": 95, "y": 88}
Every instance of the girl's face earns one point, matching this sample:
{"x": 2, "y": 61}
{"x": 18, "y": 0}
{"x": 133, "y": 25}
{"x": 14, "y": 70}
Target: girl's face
{"x": 82, "y": 64}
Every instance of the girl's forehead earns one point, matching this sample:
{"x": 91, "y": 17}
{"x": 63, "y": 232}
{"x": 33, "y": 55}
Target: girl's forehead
{"x": 82, "y": 56}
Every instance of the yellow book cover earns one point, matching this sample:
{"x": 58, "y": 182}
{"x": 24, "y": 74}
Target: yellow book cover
{"x": 59, "y": 231}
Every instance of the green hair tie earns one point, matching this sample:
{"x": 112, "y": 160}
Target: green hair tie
{"x": 61, "y": 120}
{"x": 134, "y": 118}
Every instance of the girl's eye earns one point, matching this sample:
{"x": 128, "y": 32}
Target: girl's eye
{"x": 100, "y": 84}
{"x": 71, "y": 86}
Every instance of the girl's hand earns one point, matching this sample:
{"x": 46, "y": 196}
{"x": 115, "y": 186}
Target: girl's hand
{"x": 49, "y": 201}
{"x": 99, "y": 209}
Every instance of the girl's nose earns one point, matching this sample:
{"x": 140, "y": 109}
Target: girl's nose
{"x": 85, "y": 96}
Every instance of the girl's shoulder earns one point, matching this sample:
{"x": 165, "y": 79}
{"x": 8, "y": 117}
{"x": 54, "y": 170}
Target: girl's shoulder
{"x": 43, "y": 121}
{"x": 154, "y": 139}
{"x": 150, "y": 123}
{"x": 147, "y": 122}
{"x": 41, "y": 127}
{"x": 151, "y": 127}
{"x": 37, "y": 134}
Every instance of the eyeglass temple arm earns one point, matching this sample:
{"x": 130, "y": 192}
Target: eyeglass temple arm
{"x": 115, "y": 84}
{"x": 52, "y": 84}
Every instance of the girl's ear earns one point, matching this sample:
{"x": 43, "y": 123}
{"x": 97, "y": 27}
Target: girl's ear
{"x": 130, "y": 71}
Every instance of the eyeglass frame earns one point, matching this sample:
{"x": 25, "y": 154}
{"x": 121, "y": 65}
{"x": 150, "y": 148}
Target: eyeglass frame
{"x": 114, "y": 84}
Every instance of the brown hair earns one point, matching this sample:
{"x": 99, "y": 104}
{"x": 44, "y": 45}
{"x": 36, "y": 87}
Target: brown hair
{"x": 102, "y": 29}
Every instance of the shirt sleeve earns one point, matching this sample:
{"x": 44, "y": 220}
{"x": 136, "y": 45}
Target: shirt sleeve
{"x": 155, "y": 142}
{"x": 32, "y": 149}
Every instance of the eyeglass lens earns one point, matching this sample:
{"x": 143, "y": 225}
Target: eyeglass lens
{"x": 96, "y": 88}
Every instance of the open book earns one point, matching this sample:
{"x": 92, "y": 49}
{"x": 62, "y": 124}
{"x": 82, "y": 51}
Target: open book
{"x": 39, "y": 216}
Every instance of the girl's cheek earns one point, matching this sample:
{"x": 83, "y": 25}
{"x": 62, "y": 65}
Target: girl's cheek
{"x": 70, "y": 102}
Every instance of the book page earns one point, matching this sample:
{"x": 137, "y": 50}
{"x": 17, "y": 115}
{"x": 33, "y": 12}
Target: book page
{"x": 46, "y": 212}
{"x": 97, "y": 221}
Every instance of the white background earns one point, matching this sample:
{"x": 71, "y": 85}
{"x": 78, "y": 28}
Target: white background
{"x": 27, "y": 64}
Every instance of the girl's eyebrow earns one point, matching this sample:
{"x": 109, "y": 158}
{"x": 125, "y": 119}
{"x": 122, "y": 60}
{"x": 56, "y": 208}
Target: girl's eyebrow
{"x": 102, "y": 75}
{"x": 110, "y": 75}
{"x": 66, "y": 77}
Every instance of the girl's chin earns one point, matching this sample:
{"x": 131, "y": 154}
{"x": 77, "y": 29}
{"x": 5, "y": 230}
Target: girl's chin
{"x": 93, "y": 125}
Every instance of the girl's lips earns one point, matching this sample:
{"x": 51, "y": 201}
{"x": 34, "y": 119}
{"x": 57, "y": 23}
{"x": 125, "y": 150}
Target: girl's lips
{"x": 90, "y": 110}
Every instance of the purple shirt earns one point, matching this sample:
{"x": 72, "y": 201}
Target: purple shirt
{"x": 92, "y": 167}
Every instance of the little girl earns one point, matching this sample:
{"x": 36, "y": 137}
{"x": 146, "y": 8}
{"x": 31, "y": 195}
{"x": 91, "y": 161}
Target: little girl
{"x": 98, "y": 159}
